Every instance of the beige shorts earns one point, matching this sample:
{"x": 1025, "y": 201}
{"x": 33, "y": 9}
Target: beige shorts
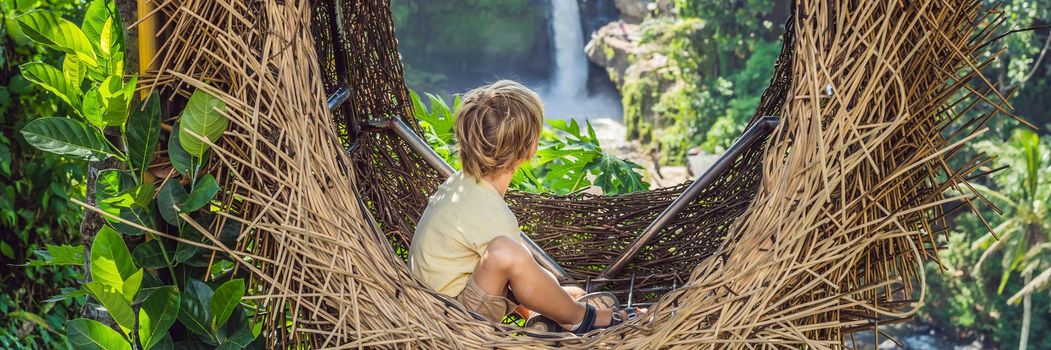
{"x": 492, "y": 307}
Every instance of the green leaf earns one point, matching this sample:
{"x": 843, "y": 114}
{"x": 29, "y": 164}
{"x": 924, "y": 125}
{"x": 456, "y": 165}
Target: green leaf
{"x": 193, "y": 310}
{"x": 67, "y": 137}
{"x": 107, "y": 38}
{"x": 116, "y": 305}
{"x": 93, "y": 108}
{"x": 157, "y": 314}
{"x": 137, "y": 214}
{"x": 74, "y": 71}
{"x": 96, "y": 15}
{"x": 239, "y": 340}
{"x": 151, "y": 254}
{"x": 183, "y": 251}
{"x": 225, "y": 299}
{"x": 90, "y": 334}
{"x": 203, "y": 193}
{"x": 53, "y": 31}
{"x": 143, "y": 132}
{"x": 202, "y": 117}
{"x": 183, "y": 162}
{"x": 115, "y": 189}
{"x": 111, "y": 262}
{"x": 169, "y": 200}
{"x": 116, "y": 99}
{"x": 53, "y": 80}
{"x": 56, "y": 255}
{"x": 7, "y": 250}
{"x": 132, "y": 285}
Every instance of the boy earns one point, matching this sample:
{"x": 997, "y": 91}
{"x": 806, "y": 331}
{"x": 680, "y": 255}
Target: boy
{"x": 467, "y": 243}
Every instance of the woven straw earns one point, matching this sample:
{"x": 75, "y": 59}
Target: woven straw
{"x": 816, "y": 233}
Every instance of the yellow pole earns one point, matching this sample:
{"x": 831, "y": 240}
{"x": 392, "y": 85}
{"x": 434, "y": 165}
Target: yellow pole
{"x": 147, "y": 48}
{"x": 147, "y": 37}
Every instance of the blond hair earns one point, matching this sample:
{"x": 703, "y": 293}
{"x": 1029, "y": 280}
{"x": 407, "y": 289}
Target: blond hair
{"x": 497, "y": 126}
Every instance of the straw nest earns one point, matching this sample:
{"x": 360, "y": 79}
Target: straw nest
{"x": 850, "y": 197}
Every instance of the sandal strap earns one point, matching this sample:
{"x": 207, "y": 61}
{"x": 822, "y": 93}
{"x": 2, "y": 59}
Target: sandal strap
{"x": 588, "y": 323}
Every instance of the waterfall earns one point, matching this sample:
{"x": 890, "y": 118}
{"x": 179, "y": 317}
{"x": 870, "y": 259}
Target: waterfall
{"x": 571, "y": 72}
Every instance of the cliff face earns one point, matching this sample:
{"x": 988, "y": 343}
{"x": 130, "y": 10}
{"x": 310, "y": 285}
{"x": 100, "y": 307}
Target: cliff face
{"x": 640, "y": 70}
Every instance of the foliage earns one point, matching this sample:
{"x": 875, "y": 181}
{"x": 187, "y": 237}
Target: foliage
{"x": 433, "y": 37}
{"x": 147, "y": 288}
{"x": 1024, "y": 241}
{"x": 568, "y": 158}
{"x": 34, "y": 192}
{"x": 709, "y": 71}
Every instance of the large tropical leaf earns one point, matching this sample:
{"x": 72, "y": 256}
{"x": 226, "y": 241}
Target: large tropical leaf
{"x": 170, "y": 201}
{"x": 67, "y": 137}
{"x": 116, "y": 305}
{"x": 157, "y": 314}
{"x": 194, "y": 312}
{"x": 74, "y": 71}
{"x": 57, "y": 32}
{"x": 183, "y": 162}
{"x": 111, "y": 263}
{"x": 201, "y": 118}
{"x": 143, "y": 132}
{"x": 54, "y": 80}
{"x": 202, "y": 193}
{"x": 85, "y": 334}
{"x": 224, "y": 300}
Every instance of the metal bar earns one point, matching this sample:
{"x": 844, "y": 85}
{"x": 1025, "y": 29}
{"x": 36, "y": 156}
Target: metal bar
{"x": 432, "y": 158}
{"x": 338, "y": 98}
{"x": 417, "y": 144}
{"x": 754, "y": 133}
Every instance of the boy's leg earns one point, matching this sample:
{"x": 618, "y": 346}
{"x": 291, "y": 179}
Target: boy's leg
{"x": 506, "y": 262}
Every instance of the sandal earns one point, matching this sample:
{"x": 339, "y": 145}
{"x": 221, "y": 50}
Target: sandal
{"x": 601, "y": 300}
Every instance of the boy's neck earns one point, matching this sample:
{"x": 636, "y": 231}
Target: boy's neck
{"x": 500, "y": 181}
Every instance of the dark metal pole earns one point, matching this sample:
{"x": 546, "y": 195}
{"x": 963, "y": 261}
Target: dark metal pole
{"x": 754, "y": 133}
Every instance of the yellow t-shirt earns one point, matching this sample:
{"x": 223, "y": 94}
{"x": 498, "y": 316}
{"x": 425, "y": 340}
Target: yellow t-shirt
{"x": 462, "y": 216}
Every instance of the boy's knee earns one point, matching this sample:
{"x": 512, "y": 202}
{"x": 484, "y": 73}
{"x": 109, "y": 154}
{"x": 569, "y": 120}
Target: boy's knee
{"x": 504, "y": 252}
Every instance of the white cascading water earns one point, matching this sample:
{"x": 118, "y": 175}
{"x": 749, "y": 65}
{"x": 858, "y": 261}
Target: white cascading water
{"x": 571, "y": 72}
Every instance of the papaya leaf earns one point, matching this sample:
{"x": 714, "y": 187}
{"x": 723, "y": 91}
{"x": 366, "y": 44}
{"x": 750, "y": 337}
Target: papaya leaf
{"x": 67, "y": 137}
{"x": 201, "y": 118}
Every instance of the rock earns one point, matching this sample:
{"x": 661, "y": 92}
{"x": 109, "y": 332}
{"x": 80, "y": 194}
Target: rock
{"x": 634, "y": 10}
{"x": 612, "y": 47}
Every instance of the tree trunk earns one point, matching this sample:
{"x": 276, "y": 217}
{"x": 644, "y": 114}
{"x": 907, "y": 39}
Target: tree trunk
{"x": 1027, "y": 309}
{"x": 92, "y": 221}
